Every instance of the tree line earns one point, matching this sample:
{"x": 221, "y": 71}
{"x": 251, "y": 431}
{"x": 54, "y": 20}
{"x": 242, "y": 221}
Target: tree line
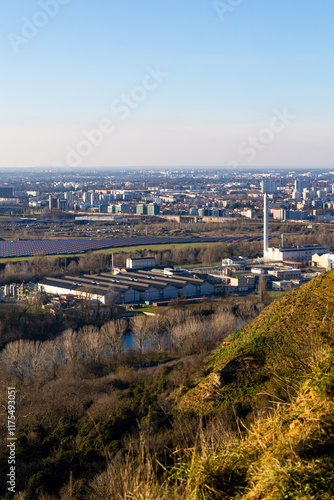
{"x": 95, "y": 262}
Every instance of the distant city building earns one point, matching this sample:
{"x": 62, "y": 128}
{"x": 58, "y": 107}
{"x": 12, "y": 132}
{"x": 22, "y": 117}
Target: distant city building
{"x": 300, "y": 184}
{"x": 103, "y": 209}
{"x": 86, "y": 197}
{"x": 248, "y": 213}
{"x": 284, "y": 214}
{"x": 268, "y": 186}
{"x": 212, "y": 212}
{"x": 53, "y": 202}
{"x": 141, "y": 209}
{"x": 61, "y": 204}
{"x": 150, "y": 209}
{"x": 57, "y": 203}
{"x": 153, "y": 209}
{"x": 296, "y": 195}
{"x": 193, "y": 211}
{"x": 69, "y": 197}
{"x": 203, "y": 212}
{"x": 122, "y": 208}
{"x": 306, "y": 194}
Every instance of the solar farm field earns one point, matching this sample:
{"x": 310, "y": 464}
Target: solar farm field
{"x": 25, "y": 248}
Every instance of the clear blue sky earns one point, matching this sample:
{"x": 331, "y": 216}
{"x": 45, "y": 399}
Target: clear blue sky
{"x": 227, "y": 73}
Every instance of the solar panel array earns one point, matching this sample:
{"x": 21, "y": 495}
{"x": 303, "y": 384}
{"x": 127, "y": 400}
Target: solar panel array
{"x": 27, "y": 248}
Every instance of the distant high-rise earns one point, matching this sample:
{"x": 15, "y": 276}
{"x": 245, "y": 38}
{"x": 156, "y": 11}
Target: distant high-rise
{"x": 56, "y": 203}
{"x": 141, "y": 209}
{"x": 302, "y": 183}
{"x": 53, "y": 202}
{"x": 268, "y": 186}
{"x": 61, "y": 204}
{"x": 150, "y": 209}
{"x": 86, "y": 197}
{"x": 153, "y": 209}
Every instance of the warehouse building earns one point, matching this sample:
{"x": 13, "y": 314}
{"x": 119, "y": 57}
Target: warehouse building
{"x": 140, "y": 262}
{"x": 127, "y": 287}
{"x": 296, "y": 254}
{"x": 286, "y": 274}
{"x": 83, "y": 289}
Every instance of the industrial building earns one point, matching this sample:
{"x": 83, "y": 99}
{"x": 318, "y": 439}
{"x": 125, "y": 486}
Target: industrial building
{"x": 79, "y": 288}
{"x": 282, "y": 286}
{"x": 140, "y": 262}
{"x": 301, "y": 254}
{"x": 243, "y": 283}
{"x": 295, "y": 254}
{"x": 235, "y": 263}
{"x": 325, "y": 261}
{"x": 127, "y": 287}
{"x": 286, "y": 274}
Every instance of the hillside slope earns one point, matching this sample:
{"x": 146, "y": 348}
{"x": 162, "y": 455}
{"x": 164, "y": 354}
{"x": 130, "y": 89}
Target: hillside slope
{"x": 259, "y": 361}
{"x": 252, "y": 421}
{"x": 277, "y": 372}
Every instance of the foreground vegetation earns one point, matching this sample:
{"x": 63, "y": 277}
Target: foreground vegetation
{"x": 253, "y": 419}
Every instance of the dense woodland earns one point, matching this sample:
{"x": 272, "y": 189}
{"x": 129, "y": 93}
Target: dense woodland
{"x": 73, "y": 383}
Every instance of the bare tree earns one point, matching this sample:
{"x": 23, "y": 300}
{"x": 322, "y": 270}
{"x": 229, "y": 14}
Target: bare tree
{"x": 92, "y": 342}
{"x": 53, "y": 355}
{"x": 140, "y": 329}
{"x": 158, "y": 333}
{"x": 23, "y": 358}
{"x": 113, "y": 332}
{"x": 72, "y": 345}
{"x": 184, "y": 336}
{"x": 222, "y": 324}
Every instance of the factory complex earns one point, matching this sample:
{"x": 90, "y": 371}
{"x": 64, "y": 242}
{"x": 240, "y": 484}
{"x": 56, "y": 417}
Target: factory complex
{"x": 128, "y": 286}
{"x": 297, "y": 255}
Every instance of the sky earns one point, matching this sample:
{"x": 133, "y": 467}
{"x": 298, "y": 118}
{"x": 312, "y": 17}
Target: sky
{"x": 166, "y": 83}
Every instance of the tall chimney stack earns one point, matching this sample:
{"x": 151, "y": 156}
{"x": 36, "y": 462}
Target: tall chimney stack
{"x": 265, "y": 225}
